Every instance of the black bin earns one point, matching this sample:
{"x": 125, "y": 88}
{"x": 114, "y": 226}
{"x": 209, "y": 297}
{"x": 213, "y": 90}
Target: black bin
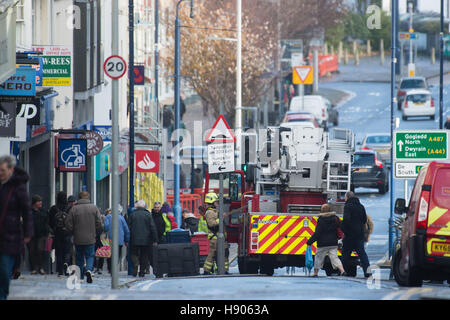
{"x": 176, "y": 260}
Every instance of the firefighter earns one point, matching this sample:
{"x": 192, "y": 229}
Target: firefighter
{"x": 212, "y": 219}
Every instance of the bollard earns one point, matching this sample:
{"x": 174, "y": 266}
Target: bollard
{"x": 346, "y": 56}
{"x": 340, "y": 52}
{"x": 354, "y": 48}
{"x": 332, "y": 50}
{"x": 357, "y": 57}
{"x": 382, "y": 51}
{"x": 325, "y": 49}
{"x": 433, "y": 55}
{"x": 369, "y": 48}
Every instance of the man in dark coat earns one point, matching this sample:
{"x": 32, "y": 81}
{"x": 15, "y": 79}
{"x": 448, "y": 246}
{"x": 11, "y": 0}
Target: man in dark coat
{"x": 162, "y": 222}
{"x": 63, "y": 238}
{"x": 353, "y": 224}
{"x": 36, "y": 247}
{"x": 142, "y": 236}
{"x": 16, "y": 220}
{"x": 190, "y": 222}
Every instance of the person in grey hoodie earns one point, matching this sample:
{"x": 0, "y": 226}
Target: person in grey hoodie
{"x": 84, "y": 221}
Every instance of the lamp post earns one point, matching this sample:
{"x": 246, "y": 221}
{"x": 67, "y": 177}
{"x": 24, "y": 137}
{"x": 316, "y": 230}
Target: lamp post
{"x": 176, "y": 171}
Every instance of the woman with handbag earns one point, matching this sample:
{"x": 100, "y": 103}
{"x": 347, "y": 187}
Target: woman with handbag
{"x": 326, "y": 235}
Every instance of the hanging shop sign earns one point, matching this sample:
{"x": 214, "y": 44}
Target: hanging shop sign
{"x": 56, "y": 65}
{"x": 22, "y": 83}
{"x": 72, "y": 155}
{"x": 7, "y": 119}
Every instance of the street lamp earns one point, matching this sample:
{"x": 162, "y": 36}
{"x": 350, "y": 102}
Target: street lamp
{"x": 177, "y": 206}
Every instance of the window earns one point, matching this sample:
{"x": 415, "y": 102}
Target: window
{"x": 413, "y": 84}
{"x": 364, "y": 159}
{"x": 378, "y": 139}
{"x": 418, "y": 98}
{"x": 441, "y": 188}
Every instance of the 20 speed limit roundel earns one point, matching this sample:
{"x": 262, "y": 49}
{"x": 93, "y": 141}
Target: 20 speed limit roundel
{"x": 115, "y": 67}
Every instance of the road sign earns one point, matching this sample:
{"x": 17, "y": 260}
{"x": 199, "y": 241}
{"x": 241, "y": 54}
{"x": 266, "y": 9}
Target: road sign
{"x": 139, "y": 75}
{"x": 115, "y": 67}
{"x": 408, "y": 170}
{"x": 147, "y": 161}
{"x": 296, "y": 59}
{"x": 421, "y": 145}
{"x": 407, "y": 36}
{"x": 72, "y": 155}
{"x": 221, "y": 157}
{"x": 303, "y": 75}
{"x": 221, "y": 132}
{"x": 94, "y": 143}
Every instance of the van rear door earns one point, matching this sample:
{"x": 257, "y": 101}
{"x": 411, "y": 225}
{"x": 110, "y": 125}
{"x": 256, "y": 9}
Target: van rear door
{"x": 438, "y": 228}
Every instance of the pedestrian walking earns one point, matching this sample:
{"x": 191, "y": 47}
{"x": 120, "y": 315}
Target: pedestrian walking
{"x": 168, "y": 211}
{"x": 16, "y": 219}
{"x": 100, "y": 261}
{"x": 143, "y": 236}
{"x": 84, "y": 221}
{"x": 62, "y": 237}
{"x": 37, "y": 245}
{"x": 190, "y": 222}
{"x": 353, "y": 224}
{"x": 161, "y": 221}
{"x": 327, "y": 240}
{"x": 124, "y": 232}
{"x": 212, "y": 219}
{"x": 368, "y": 229}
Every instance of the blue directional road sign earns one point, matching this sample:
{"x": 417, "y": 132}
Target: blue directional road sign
{"x": 72, "y": 155}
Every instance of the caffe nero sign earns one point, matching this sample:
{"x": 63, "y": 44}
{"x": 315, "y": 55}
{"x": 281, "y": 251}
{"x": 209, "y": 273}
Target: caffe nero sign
{"x": 22, "y": 83}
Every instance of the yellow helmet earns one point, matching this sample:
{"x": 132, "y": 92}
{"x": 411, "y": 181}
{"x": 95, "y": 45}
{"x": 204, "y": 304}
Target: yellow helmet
{"x": 211, "y": 198}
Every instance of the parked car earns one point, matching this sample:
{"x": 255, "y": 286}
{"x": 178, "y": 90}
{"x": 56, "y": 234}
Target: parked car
{"x": 381, "y": 143}
{"x": 317, "y": 105}
{"x": 369, "y": 172}
{"x": 301, "y": 117}
{"x": 418, "y": 103}
{"x": 423, "y": 252}
{"x": 407, "y": 84}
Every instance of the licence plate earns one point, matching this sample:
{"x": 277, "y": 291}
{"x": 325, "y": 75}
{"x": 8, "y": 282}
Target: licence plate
{"x": 419, "y": 104}
{"x": 362, "y": 170}
{"x": 383, "y": 151}
{"x": 440, "y": 247}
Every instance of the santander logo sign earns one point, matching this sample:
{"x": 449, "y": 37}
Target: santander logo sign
{"x": 147, "y": 161}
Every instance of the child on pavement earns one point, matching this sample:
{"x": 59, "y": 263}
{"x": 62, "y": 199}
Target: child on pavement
{"x": 327, "y": 240}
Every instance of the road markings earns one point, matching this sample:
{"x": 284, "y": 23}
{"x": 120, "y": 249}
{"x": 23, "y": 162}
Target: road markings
{"x": 413, "y": 291}
{"x": 147, "y": 286}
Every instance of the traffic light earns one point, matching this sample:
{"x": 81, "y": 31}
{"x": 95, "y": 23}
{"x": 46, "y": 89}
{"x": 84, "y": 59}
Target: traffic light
{"x": 414, "y": 5}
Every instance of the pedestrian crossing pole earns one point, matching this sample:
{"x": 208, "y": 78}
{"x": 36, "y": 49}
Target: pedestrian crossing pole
{"x": 221, "y": 237}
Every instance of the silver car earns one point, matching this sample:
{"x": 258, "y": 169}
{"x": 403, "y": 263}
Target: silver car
{"x": 381, "y": 143}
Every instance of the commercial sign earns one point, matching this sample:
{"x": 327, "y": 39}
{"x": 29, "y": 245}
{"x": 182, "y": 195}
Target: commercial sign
{"x": 103, "y": 163}
{"x": 105, "y": 132}
{"x": 124, "y": 151}
{"x": 94, "y": 143}
{"x": 221, "y": 157}
{"x": 35, "y": 63}
{"x": 139, "y": 75}
{"x": 147, "y": 161}
{"x": 421, "y": 145}
{"x": 57, "y": 65}
{"x": 22, "y": 83}
{"x": 30, "y": 113}
{"x": 72, "y": 155}
{"x": 7, "y": 119}
{"x": 408, "y": 170}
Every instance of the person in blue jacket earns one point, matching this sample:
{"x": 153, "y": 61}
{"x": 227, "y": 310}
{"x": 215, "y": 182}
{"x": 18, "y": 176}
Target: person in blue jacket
{"x": 124, "y": 232}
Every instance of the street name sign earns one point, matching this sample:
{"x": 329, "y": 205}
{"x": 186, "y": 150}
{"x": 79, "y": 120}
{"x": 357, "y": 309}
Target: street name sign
{"x": 220, "y": 157}
{"x": 408, "y": 170}
{"x": 421, "y": 145}
{"x": 115, "y": 67}
{"x": 303, "y": 75}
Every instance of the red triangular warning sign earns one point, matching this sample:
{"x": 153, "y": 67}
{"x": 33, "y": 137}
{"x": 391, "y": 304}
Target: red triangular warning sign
{"x": 221, "y": 132}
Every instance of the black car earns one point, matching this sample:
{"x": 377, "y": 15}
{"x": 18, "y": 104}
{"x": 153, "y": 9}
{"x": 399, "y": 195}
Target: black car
{"x": 368, "y": 171}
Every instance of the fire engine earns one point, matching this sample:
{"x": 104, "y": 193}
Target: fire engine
{"x": 297, "y": 171}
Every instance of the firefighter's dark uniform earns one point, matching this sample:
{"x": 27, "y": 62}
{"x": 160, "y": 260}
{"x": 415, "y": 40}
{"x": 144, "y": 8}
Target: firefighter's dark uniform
{"x": 212, "y": 219}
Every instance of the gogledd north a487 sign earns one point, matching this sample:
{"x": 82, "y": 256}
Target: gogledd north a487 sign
{"x": 421, "y": 145}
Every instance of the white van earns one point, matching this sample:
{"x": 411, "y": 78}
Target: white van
{"x": 317, "y": 105}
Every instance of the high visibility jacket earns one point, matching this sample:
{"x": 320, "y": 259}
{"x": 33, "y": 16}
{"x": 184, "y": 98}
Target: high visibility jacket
{"x": 212, "y": 220}
{"x": 203, "y": 226}
{"x": 168, "y": 224}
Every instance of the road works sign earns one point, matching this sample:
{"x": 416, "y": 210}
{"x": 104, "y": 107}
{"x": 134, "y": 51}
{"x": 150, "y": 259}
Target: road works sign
{"x": 421, "y": 145}
{"x": 408, "y": 170}
{"x": 221, "y": 157}
{"x": 221, "y": 132}
{"x": 303, "y": 75}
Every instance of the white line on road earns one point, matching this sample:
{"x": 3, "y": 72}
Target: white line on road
{"x": 147, "y": 286}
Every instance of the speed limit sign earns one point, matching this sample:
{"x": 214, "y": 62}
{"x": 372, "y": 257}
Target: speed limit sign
{"x": 115, "y": 67}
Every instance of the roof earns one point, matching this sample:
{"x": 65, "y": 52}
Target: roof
{"x": 6, "y": 4}
{"x": 377, "y": 134}
{"x": 299, "y": 116}
{"x": 413, "y": 78}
